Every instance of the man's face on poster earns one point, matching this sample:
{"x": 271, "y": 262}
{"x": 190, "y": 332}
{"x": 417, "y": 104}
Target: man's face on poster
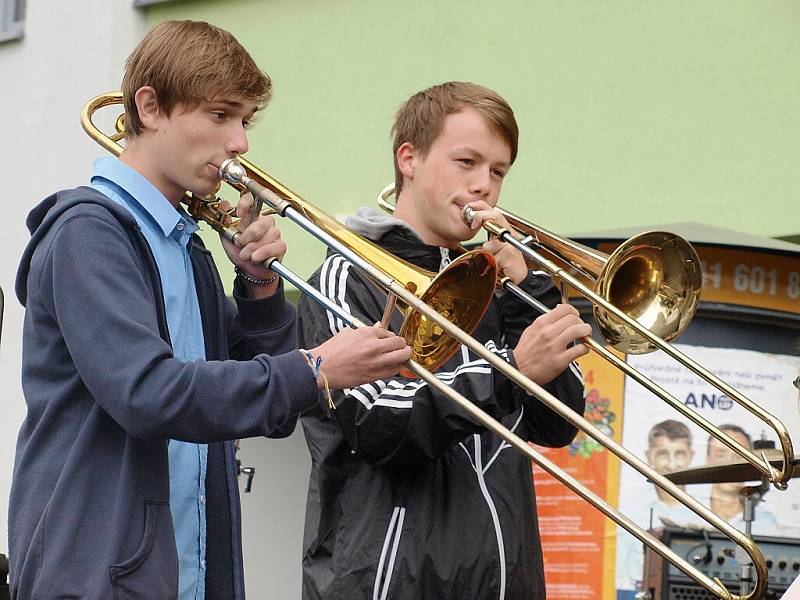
{"x": 666, "y": 455}
{"x": 719, "y": 453}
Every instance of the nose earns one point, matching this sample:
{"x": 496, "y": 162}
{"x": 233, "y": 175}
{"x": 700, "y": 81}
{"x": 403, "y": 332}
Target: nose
{"x": 674, "y": 462}
{"x": 480, "y": 184}
{"x": 237, "y": 142}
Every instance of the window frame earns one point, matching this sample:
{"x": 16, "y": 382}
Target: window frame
{"x": 12, "y": 20}
{"x": 143, "y": 3}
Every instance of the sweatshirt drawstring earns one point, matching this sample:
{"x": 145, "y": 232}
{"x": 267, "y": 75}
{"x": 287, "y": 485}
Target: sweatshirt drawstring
{"x": 445, "y": 258}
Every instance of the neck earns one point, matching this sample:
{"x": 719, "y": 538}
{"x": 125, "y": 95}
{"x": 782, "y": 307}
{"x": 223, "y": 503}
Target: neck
{"x": 666, "y": 498}
{"x": 138, "y": 158}
{"x": 726, "y": 505}
{"x": 406, "y": 210}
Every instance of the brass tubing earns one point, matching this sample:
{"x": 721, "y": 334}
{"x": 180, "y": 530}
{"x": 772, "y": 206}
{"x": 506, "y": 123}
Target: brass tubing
{"x": 780, "y": 477}
{"x": 298, "y": 215}
{"x": 714, "y": 586}
{"x": 592, "y": 262}
{"x": 650, "y": 385}
{"x": 389, "y": 284}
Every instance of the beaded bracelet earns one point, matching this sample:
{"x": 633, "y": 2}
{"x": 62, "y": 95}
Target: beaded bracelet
{"x": 250, "y": 279}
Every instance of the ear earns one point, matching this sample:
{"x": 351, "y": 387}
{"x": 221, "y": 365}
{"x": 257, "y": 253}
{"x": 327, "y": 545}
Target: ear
{"x": 407, "y": 157}
{"x": 147, "y": 107}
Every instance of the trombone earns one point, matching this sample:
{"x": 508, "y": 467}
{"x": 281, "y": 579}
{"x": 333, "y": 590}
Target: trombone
{"x": 380, "y": 268}
{"x": 655, "y": 278}
{"x": 461, "y": 292}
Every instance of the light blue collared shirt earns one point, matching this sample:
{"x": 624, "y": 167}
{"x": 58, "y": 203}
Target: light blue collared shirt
{"x": 168, "y": 232}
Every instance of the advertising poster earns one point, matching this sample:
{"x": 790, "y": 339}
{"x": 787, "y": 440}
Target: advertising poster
{"x": 587, "y": 557}
{"x": 668, "y": 441}
{"x": 577, "y": 540}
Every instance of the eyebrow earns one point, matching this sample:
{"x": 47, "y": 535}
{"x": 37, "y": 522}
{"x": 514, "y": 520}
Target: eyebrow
{"x": 227, "y": 102}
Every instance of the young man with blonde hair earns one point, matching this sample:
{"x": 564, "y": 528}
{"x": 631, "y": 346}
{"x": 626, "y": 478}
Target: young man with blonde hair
{"x": 136, "y": 368}
{"x": 410, "y": 497}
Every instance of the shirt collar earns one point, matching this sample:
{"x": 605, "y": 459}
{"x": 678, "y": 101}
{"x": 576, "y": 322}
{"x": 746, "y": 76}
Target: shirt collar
{"x": 139, "y": 191}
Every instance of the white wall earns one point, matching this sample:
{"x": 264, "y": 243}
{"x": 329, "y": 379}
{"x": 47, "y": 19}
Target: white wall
{"x": 72, "y": 51}
{"x": 273, "y": 515}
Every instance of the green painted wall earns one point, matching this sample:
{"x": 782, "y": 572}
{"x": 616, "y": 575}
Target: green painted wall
{"x": 632, "y": 112}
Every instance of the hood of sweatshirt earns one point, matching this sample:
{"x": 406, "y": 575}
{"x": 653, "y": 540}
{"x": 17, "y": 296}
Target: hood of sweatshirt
{"x": 44, "y": 215}
{"x": 399, "y": 238}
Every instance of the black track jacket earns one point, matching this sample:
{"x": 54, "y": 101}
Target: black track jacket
{"x": 409, "y": 498}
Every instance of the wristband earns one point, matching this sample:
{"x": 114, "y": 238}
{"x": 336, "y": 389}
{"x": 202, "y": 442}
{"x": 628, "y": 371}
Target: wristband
{"x": 314, "y": 364}
{"x": 315, "y": 369}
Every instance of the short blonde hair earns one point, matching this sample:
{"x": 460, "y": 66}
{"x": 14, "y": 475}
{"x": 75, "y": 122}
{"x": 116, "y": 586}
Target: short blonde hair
{"x": 188, "y": 62}
{"x": 421, "y": 118}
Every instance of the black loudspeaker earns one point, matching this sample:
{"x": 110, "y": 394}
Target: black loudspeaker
{"x": 713, "y": 554}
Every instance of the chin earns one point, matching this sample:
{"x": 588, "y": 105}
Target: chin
{"x": 204, "y": 187}
{"x": 467, "y": 236}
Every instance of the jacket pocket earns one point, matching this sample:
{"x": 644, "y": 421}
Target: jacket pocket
{"x": 152, "y": 571}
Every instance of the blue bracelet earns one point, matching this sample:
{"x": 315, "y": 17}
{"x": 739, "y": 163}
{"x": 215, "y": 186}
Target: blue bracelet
{"x": 314, "y": 364}
{"x": 315, "y": 369}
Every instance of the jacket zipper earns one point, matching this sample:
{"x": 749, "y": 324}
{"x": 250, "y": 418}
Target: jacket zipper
{"x": 395, "y": 530}
{"x": 495, "y": 518}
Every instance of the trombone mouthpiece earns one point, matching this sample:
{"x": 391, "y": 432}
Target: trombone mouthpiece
{"x": 231, "y": 171}
{"x": 468, "y": 214}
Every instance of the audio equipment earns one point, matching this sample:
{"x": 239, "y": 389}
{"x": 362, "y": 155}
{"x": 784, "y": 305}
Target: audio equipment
{"x": 715, "y": 555}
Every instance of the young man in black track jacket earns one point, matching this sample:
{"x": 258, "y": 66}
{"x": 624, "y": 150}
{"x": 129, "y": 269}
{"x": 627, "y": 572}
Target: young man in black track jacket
{"x": 409, "y": 497}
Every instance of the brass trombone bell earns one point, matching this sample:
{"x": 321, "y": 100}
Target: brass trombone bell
{"x": 653, "y": 277}
{"x": 461, "y": 295}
